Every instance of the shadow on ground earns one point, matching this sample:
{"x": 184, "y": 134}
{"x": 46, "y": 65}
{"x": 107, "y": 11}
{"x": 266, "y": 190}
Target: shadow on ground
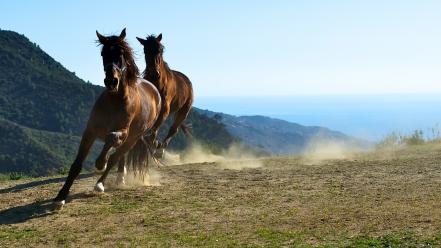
{"x": 33, "y": 210}
{"x": 37, "y": 209}
{"x": 24, "y": 186}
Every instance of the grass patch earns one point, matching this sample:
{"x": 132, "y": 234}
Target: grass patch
{"x": 406, "y": 239}
{"x": 123, "y": 205}
{"x": 277, "y": 238}
{"x": 13, "y": 176}
{"x": 65, "y": 238}
{"x": 19, "y": 234}
{"x": 4, "y": 177}
{"x": 206, "y": 240}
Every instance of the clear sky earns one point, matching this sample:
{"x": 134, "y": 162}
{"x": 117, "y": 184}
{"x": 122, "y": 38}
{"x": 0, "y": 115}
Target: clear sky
{"x": 253, "y": 47}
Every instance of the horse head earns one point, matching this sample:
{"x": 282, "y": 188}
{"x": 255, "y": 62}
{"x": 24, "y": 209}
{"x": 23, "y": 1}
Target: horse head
{"x": 118, "y": 62}
{"x": 153, "y": 50}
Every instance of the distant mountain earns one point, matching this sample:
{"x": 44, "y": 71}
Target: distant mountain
{"x": 278, "y": 136}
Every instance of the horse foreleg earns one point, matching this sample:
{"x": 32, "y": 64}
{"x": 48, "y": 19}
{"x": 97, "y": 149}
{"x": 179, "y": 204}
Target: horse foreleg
{"x": 75, "y": 169}
{"x": 114, "y": 159}
{"x": 113, "y": 140}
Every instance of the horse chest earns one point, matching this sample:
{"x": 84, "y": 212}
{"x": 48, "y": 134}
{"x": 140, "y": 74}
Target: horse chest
{"x": 110, "y": 114}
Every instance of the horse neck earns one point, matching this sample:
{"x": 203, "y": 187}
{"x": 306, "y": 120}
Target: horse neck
{"x": 164, "y": 74}
{"x": 157, "y": 73}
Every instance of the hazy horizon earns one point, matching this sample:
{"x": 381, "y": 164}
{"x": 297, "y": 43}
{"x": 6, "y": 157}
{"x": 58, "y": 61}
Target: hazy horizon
{"x": 370, "y": 117}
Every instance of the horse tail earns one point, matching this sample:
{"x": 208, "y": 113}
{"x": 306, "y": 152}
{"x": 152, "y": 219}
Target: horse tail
{"x": 138, "y": 159}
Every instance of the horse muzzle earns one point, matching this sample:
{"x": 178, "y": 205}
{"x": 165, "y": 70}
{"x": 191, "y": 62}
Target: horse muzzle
{"x": 111, "y": 84}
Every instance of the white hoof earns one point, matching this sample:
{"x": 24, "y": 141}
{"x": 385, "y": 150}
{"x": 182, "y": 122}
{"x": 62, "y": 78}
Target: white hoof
{"x": 59, "y": 204}
{"x": 99, "y": 172}
{"x": 120, "y": 180}
{"x": 99, "y": 187}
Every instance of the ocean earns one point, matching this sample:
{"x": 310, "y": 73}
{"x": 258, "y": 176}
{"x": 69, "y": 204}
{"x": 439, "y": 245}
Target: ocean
{"x": 370, "y": 117}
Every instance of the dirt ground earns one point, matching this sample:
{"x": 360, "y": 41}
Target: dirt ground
{"x": 382, "y": 199}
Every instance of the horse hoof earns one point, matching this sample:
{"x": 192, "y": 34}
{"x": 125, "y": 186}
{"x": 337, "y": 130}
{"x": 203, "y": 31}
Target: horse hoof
{"x": 98, "y": 171}
{"x": 58, "y": 205}
{"x": 99, "y": 187}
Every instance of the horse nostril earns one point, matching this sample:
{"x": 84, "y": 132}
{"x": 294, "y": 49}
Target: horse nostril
{"x": 115, "y": 81}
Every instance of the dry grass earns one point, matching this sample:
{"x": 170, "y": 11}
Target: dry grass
{"x": 383, "y": 199}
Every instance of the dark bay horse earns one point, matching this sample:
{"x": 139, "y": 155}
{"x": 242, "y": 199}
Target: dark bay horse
{"x": 175, "y": 88}
{"x": 122, "y": 115}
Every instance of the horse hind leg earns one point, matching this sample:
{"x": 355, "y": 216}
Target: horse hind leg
{"x": 113, "y": 140}
{"x": 122, "y": 172}
{"x": 132, "y": 160}
{"x": 180, "y": 116}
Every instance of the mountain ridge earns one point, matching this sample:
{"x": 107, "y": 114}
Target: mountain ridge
{"x": 281, "y": 137}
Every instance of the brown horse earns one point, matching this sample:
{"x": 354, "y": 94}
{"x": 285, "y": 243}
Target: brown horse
{"x": 124, "y": 112}
{"x": 175, "y": 88}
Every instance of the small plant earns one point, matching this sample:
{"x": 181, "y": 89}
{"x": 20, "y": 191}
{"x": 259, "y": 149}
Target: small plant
{"x": 63, "y": 170}
{"x": 396, "y": 139}
{"x": 390, "y": 140}
{"x": 415, "y": 139}
{"x": 15, "y": 175}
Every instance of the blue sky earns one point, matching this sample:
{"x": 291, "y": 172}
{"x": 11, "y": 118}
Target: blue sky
{"x": 236, "y": 48}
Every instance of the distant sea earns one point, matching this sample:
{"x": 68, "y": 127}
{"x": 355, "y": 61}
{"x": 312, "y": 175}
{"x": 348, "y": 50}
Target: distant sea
{"x": 370, "y": 117}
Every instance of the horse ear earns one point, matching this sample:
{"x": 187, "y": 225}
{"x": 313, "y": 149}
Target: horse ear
{"x": 141, "y": 40}
{"x": 123, "y": 34}
{"x": 101, "y": 38}
{"x": 159, "y": 38}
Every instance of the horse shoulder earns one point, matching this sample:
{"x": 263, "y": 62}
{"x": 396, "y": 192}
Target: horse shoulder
{"x": 149, "y": 88}
{"x": 184, "y": 88}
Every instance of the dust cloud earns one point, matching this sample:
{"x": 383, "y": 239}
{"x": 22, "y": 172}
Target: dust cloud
{"x": 319, "y": 150}
{"x": 236, "y": 157}
{"x": 152, "y": 178}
